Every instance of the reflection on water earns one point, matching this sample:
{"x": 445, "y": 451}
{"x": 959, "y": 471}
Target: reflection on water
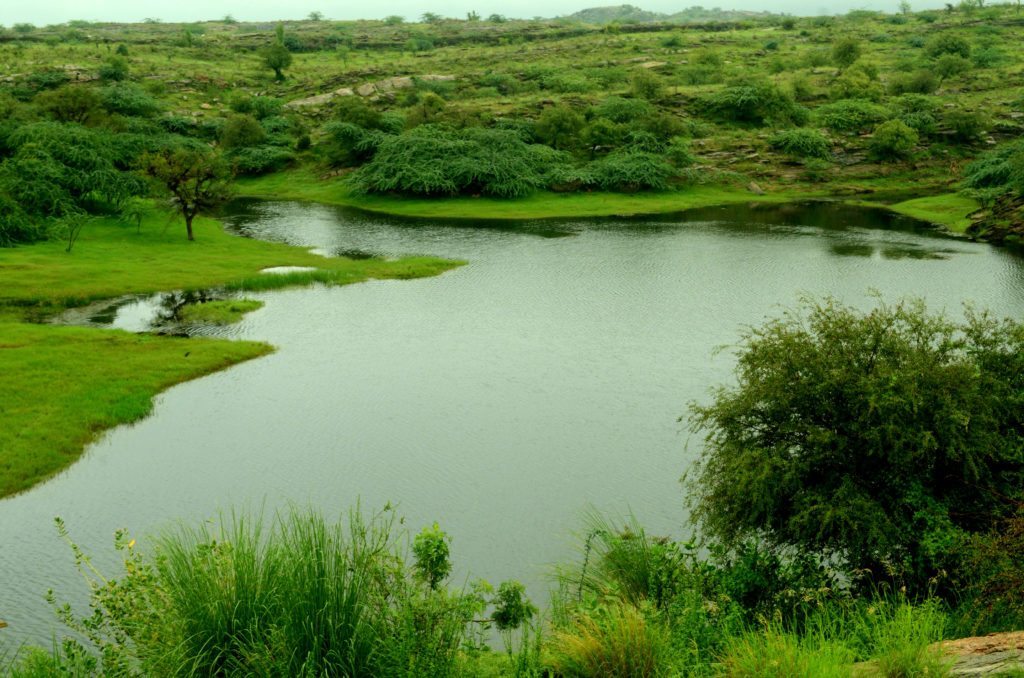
{"x": 500, "y": 399}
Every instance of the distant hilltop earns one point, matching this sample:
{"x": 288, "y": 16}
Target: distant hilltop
{"x": 631, "y": 14}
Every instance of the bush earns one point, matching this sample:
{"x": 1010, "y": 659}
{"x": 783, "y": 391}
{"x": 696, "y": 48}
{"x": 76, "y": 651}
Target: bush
{"x": 851, "y": 115}
{"x": 947, "y": 43}
{"x": 114, "y": 69}
{"x": 845, "y": 52}
{"x": 893, "y": 140}
{"x": 258, "y": 107}
{"x": 950, "y": 66}
{"x": 304, "y": 597}
{"x": 258, "y": 160}
{"x": 1000, "y": 170}
{"x": 128, "y": 99}
{"x": 241, "y": 131}
{"x": 632, "y": 170}
{"x": 802, "y": 143}
{"x": 16, "y": 227}
{"x": 615, "y": 641}
{"x": 922, "y": 81}
{"x": 432, "y": 160}
{"x": 644, "y": 84}
{"x": 757, "y": 102}
{"x": 618, "y": 109}
{"x": 966, "y": 126}
{"x": 558, "y": 127}
{"x": 869, "y": 439}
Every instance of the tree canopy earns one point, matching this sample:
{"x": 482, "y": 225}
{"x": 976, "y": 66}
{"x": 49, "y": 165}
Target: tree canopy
{"x": 876, "y": 440}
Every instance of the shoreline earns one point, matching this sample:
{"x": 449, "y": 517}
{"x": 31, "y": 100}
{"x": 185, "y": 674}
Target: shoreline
{"x": 948, "y": 210}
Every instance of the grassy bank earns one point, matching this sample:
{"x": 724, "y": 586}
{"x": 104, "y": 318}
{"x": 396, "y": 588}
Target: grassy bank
{"x": 948, "y": 210}
{"x": 303, "y": 184}
{"x": 69, "y": 384}
{"x": 66, "y": 385}
{"x": 111, "y": 259}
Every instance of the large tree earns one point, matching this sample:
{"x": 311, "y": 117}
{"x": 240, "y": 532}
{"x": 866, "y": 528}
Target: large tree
{"x": 196, "y": 179}
{"x": 877, "y": 440}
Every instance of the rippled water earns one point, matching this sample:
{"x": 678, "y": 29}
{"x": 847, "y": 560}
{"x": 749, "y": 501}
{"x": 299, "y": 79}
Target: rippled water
{"x": 500, "y": 399}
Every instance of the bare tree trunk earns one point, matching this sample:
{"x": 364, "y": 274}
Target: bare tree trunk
{"x": 188, "y": 226}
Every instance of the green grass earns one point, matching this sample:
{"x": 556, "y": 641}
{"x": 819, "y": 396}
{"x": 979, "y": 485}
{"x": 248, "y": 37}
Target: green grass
{"x": 950, "y": 210}
{"x": 303, "y": 184}
{"x": 223, "y": 312}
{"x": 111, "y": 259}
{"x": 109, "y": 378}
{"x": 67, "y": 385}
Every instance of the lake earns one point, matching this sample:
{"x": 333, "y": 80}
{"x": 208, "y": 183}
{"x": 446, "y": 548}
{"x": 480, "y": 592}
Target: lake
{"x": 502, "y": 399}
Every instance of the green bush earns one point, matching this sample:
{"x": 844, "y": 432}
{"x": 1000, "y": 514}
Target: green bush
{"x": 632, "y": 170}
{"x": 619, "y": 109}
{"x": 128, "y": 99}
{"x": 836, "y": 409}
{"x": 947, "y": 43}
{"x": 1000, "y": 170}
{"x": 893, "y": 140}
{"x": 966, "y": 126}
{"x": 845, "y": 52}
{"x": 923, "y": 81}
{"x": 256, "y": 160}
{"x": 241, "y": 131}
{"x": 951, "y": 65}
{"x": 757, "y": 102}
{"x": 851, "y": 115}
{"x": 432, "y": 160}
{"x": 802, "y": 143}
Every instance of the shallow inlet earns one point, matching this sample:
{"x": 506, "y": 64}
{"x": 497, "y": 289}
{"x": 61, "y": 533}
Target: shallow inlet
{"x": 500, "y": 399}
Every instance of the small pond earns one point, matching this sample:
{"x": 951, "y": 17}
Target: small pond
{"x": 501, "y": 399}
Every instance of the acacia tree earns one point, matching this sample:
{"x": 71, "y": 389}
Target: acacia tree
{"x": 877, "y": 441}
{"x": 196, "y": 179}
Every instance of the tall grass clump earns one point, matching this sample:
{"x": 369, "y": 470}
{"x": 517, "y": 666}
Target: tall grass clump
{"x": 775, "y": 653}
{"x": 298, "y": 596}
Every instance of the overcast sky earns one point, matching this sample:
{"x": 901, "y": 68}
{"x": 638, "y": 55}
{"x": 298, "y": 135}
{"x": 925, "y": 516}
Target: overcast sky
{"x": 43, "y": 12}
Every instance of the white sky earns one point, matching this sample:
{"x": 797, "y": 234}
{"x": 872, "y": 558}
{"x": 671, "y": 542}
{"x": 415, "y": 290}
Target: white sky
{"x": 41, "y": 12}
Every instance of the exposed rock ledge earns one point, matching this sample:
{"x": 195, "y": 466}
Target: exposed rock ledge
{"x": 368, "y": 89}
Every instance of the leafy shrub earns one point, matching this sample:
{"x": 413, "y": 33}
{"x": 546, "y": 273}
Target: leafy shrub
{"x": 756, "y": 102}
{"x": 851, "y": 115}
{"x": 128, "y": 99}
{"x": 255, "y": 160}
{"x": 1001, "y": 169}
{"x": 947, "y": 43}
{"x": 966, "y": 126}
{"x": 802, "y": 143}
{"x": 951, "y": 65}
{"x": 845, "y": 52}
{"x": 431, "y": 160}
{"x": 258, "y": 107}
{"x": 922, "y": 81}
{"x": 16, "y": 227}
{"x": 558, "y": 126}
{"x": 855, "y": 84}
{"x": 632, "y": 170}
{"x": 836, "y": 409}
{"x": 892, "y": 140}
{"x": 645, "y": 84}
{"x": 114, "y": 69}
{"x": 619, "y": 109}
{"x": 71, "y": 103}
{"x": 347, "y": 144}
{"x": 241, "y": 131}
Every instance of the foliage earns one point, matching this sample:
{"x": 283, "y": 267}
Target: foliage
{"x": 71, "y": 103}
{"x": 1001, "y": 170}
{"x": 511, "y": 607}
{"x": 892, "y": 140}
{"x": 966, "y": 126}
{"x": 845, "y": 52}
{"x": 277, "y": 58}
{"x": 644, "y": 84}
{"x": 241, "y": 131}
{"x": 871, "y": 439}
{"x": 114, "y": 69}
{"x": 432, "y": 160}
{"x": 197, "y": 180}
{"x": 802, "y": 143}
{"x": 851, "y": 115}
{"x": 947, "y": 43}
{"x": 256, "y": 160}
{"x": 430, "y": 549}
{"x": 758, "y": 102}
{"x": 558, "y": 126}
{"x": 631, "y": 170}
{"x": 615, "y": 640}
{"x": 128, "y": 98}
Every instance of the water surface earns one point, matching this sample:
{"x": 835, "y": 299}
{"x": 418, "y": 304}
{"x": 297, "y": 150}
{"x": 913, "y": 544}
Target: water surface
{"x": 500, "y": 399}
